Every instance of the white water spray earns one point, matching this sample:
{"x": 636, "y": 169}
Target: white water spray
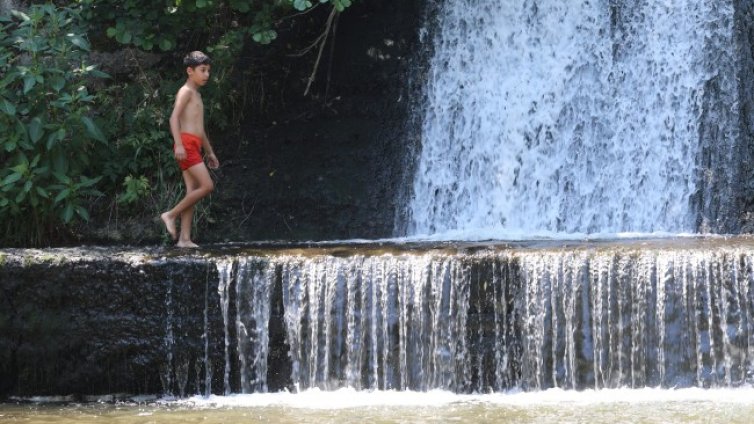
{"x": 585, "y": 116}
{"x": 505, "y": 319}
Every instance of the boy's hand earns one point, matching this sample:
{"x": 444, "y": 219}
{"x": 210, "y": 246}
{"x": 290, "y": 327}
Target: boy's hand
{"x": 212, "y": 161}
{"x": 180, "y": 152}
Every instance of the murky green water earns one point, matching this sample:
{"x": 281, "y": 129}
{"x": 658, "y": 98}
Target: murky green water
{"x": 613, "y": 406}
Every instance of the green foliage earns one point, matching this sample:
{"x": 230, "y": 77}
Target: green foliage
{"x": 339, "y": 5}
{"x": 134, "y": 189}
{"x": 141, "y": 155}
{"x": 49, "y": 131}
{"x": 56, "y": 155}
{"x": 160, "y": 24}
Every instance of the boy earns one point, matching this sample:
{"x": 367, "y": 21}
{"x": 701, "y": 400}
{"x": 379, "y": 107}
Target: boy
{"x": 187, "y": 127}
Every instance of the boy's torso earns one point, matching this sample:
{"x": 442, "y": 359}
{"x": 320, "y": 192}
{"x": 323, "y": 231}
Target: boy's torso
{"x": 192, "y": 117}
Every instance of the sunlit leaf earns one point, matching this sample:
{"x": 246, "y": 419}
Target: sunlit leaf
{"x": 78, "y": 41}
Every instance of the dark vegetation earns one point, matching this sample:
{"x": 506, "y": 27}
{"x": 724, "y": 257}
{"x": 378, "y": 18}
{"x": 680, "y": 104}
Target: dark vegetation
{"x": 86, "y": 89}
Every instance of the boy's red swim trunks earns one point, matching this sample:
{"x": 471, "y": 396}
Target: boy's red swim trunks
{"x": 193, "y": 146}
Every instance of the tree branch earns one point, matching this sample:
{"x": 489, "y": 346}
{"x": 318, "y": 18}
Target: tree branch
{"x": 323, "y": 41}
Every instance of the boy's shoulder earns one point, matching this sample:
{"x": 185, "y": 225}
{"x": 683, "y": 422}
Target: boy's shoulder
{"x": 185, "y": 89}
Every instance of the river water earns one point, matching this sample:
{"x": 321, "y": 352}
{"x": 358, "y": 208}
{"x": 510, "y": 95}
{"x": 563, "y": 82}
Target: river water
{"x": 348, "y": 406}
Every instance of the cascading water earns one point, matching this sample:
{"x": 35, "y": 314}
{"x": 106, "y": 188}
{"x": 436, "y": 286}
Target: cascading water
{"x": 545, "y": 116}
{"x": 498, "y": 318}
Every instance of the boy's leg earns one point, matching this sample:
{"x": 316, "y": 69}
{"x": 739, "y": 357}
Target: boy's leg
{"x": 204, "y": 186}
{"x": 187, "y": 216}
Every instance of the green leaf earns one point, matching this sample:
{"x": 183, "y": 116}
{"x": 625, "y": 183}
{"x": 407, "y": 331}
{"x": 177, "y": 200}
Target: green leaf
{"x": 62, "y": 177}
{"x": 67, "y": 213}
{"x": 10, "y": 145}
{"x": 340, "y": 5}
{"x": 20, "y": 15}
{"x": 78, "y": 41}
{"x": 12, "y": 178}
{"x": 201, "y": 3}
{"x": 99, "y": 74}
{"x": 92, "y": 129}
{"x": 302, "y": 4}
{"x": 165, "y": 44}
{"x": 7, "y": 107}
{"x": 21, "y": 196}
{"x": 112, "y": 32}
{"x": 82, "y": 213}
{"x": 240, "y": 6}
{"x": 54, "y": 137}
{"x": 35, "y": 129}
{"x": 60, "y": 166}
{"x": 62, "y": 195}
{"x": 57, "y": 82}
{"x": 264, "y": 37}
{"x": 123, "y": 37}
{"x": 42, "y": 192}
{"x": 29, "y": 82}
{"x": 88, "y": 182}
{"x": 21, "y": 168}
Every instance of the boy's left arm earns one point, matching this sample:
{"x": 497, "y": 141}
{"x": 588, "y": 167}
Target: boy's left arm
{"x": 210, "y": 153}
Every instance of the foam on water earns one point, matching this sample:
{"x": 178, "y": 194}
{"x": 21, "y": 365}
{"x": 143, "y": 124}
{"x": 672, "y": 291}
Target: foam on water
{"x": 492, "y": 234}
{"x": 350, "y": 398}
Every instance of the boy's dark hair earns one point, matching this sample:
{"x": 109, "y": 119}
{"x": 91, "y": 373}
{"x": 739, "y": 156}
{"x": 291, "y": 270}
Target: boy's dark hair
{"x": 195, "y": 59}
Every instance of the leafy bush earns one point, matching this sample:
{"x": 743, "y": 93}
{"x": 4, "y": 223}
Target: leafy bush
{"x": 49, "y": 134}
{"x": 159, "y": 24}
{"x": 55, "y": 159}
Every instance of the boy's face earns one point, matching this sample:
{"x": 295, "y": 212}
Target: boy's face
{"x": 199, "y": 75}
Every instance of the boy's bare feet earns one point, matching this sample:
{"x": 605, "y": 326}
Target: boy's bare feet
{"x": 169, "y": 225}
{"x": 187, "y": 244}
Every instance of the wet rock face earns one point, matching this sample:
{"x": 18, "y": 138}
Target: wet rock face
{"x": 96, "y": 325}
{"x": 105, "y": 321}
{"x": 465, "y": 318}
{"x": 328, "y": 165}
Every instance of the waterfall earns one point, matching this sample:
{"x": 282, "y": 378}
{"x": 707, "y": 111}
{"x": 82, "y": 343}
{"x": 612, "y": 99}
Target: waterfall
{"x": 588, "y": 117}
{"x": 500, "y": 318}
{"x": 7, "y": 5}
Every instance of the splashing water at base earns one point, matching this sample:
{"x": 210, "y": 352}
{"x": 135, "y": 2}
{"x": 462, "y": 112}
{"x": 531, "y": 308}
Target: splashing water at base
{"x": 348, "y": 406}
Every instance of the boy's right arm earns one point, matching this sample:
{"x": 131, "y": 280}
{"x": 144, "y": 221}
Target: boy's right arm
{"x": 181, "y": 100}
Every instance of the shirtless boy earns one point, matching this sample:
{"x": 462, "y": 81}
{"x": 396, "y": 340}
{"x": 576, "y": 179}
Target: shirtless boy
{"x": 187, "y": 127}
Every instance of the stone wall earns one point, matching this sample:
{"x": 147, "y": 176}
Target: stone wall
{"x": 105, "y": 323}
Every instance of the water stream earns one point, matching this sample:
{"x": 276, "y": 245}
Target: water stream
{"x": 541, "y": 117}
{"x": 663, "y": 313}
{"x": 591, "y": 117}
